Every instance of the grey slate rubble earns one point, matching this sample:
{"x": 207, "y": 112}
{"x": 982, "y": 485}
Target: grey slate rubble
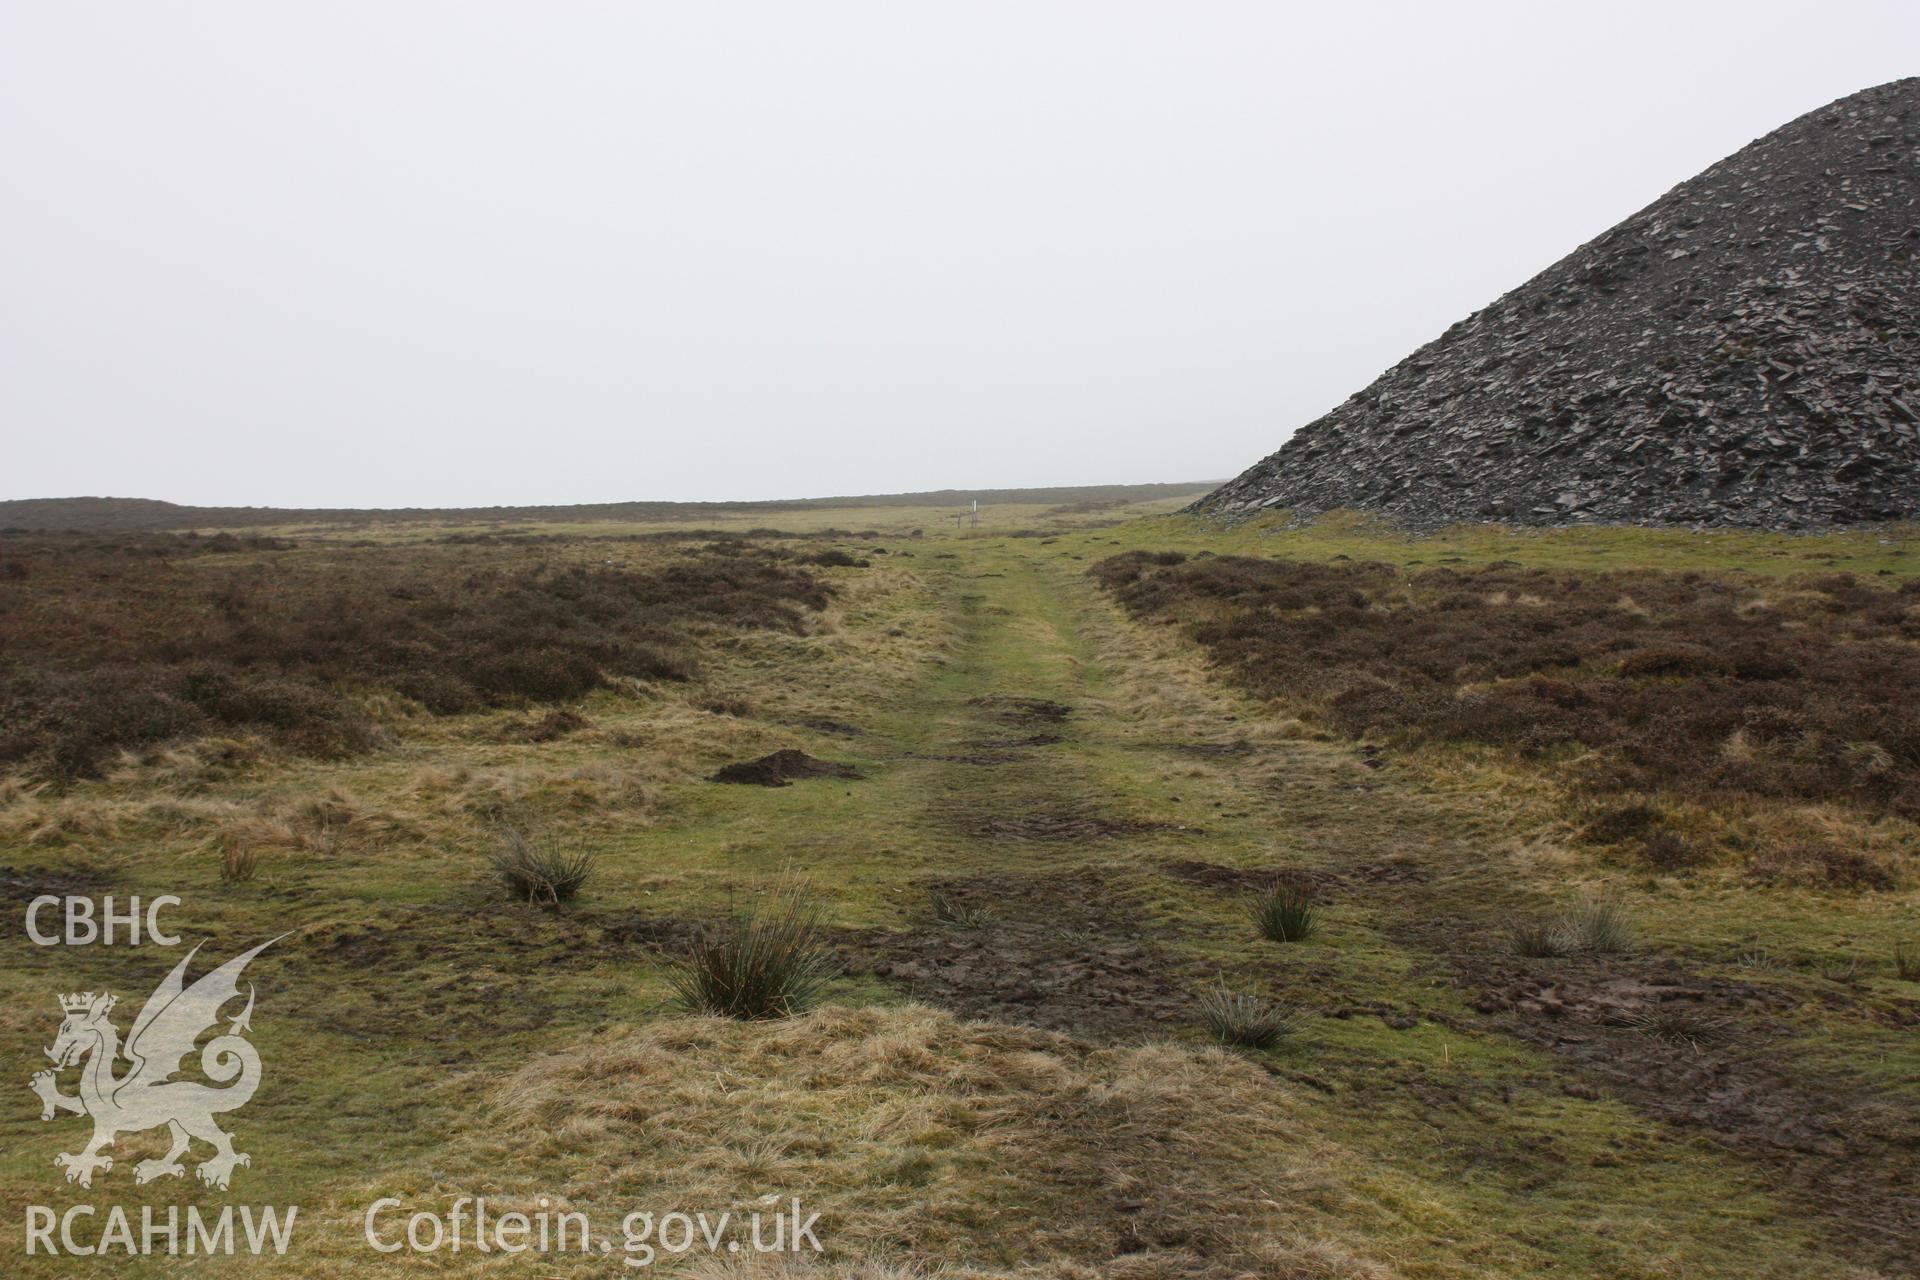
{"x": 1745, "y": 351}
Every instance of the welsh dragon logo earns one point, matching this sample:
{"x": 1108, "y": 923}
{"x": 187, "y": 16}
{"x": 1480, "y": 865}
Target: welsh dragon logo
{"x": 148, "y": 1096}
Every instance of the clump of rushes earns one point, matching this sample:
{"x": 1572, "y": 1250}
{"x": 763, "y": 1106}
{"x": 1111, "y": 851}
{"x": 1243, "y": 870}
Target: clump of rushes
{"x": 948, "y": 909}
{"x": 1237, "y": 1018}
{"x": 238, "y": 862}
{"x": 1906, "y": 962}
{"x": 1601, "y": 925}
{"x": 770, "y": 959}
{"x": 1598, "y": 925}
{"x": 1282, "y": 912}
{"x": 1679, "y": 1026}
{"x": 1845, "y": 970}
{"x": 539, "y": 870}
{"x": 1537, "y": 939}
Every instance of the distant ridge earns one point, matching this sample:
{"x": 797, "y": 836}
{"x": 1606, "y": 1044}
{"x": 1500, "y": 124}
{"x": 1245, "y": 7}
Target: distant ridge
{"x": 132, "y": 515}
{"x": 1744, "y": 351}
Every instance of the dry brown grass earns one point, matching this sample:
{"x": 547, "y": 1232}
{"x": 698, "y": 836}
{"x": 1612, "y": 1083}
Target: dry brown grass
{"x": 534, "y": 791}
{"x": 239, "y": 860}
{"x": 337, "y": 818}
{"x": 32, "y": 813}
{"x": 909, "y": 1129}
{"x": 1290, "y": 1256}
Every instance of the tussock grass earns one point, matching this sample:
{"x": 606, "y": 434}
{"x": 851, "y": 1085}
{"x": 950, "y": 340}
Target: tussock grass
{"x": 73, "y": 819}
{"x": 1539, "y": 939}
{"x": 539, "y": 869}
{"x": 239, "y": 861}
{"x": 524, "y": 793}
{"x": 1844, "y": 970}
{"x": 1674, "y": 1025}
{"x": 337, "y": 816}
{"x": 1598, "y": 926}
{"x": 770, "y": 959}
{"x": 1282, "y": 912}
{"x": 1906, "y": 962}
{"x": 1242, "y": 1019}
{"x": 948, "y": 909}
{"x": 1601, "y": 925}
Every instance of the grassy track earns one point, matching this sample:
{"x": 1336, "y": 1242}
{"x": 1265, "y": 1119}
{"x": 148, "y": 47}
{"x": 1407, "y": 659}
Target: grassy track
{"x": 1031, "y": 1092}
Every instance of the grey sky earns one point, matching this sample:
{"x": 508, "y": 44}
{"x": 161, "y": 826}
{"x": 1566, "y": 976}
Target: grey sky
{"x": 399, "y": 253}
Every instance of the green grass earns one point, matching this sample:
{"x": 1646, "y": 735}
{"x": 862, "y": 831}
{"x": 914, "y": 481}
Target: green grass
{"x": 1892, "y": 549}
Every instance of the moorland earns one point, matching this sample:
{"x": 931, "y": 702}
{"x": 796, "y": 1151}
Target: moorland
{"x": 1190, "y": 899}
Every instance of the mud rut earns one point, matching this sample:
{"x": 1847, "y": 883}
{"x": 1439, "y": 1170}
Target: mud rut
{"x": 1056, "y": 877}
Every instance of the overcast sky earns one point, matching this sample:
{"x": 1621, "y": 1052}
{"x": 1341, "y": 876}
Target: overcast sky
{"x": 475, "y": 252}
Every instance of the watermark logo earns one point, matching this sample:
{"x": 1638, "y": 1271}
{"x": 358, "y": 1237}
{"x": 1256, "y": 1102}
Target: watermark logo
{"x": 146, "y": 1095}
{"x": 473, "y": 1224}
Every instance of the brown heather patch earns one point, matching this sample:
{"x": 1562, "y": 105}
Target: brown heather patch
{"x": 1710, "y": 685}
{"x": 122, "y": 645}
{"x": 548, "y": 728}
{"x": 1819, "y": 865}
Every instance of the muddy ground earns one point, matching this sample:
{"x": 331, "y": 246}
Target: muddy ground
{"x": 1064, "y": 952}
{"x": 1068, "y": 950}
{"x": 1712, "y": 1056}
{"x": 781, "y": 769}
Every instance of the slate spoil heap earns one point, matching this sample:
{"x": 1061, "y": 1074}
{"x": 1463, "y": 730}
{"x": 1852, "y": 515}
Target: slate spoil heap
{"x": 1745, "y": 352}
